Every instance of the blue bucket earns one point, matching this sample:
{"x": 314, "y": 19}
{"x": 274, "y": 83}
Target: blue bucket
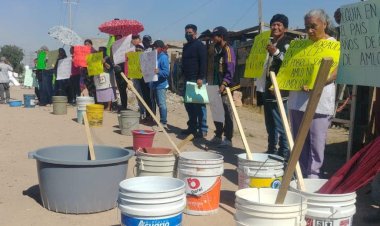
{"x": 29, "y": 100}
{"x": 15, "y": 103}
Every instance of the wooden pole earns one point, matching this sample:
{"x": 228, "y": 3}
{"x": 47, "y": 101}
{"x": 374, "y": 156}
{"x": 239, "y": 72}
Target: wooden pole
{"x": 236, "y": 116}
{"x": 130, "y": 85}
{"x": 285, "y": 123}
{"x": 89, "y": 138}
{"x": 315, "y": 95}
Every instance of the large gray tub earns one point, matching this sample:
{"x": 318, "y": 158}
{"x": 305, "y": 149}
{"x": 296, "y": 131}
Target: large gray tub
{"x": 70, "y": 183}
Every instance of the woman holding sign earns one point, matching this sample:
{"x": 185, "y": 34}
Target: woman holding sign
{"x": 317, "y": 25}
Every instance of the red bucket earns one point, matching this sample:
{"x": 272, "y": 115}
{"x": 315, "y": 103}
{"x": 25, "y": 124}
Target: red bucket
{"x": 142, "y": 138}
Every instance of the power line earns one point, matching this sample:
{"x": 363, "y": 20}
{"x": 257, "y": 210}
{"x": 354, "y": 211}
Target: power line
{"x": 244, "y": 14}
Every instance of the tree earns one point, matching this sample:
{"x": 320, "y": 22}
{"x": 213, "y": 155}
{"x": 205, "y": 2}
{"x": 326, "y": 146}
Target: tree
{"x": 14, "y": 55}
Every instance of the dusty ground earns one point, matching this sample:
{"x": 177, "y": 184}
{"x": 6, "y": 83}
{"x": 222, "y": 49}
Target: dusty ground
{"x": 23, "y": 130}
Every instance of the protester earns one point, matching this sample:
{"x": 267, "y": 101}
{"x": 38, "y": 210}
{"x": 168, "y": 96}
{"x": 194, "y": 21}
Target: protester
{"x": 104, "y": 89}
{"x": 277, "y": 139}
{"x": 139, "y": 84}
{"x": 45, "y": 81}
{"x": 317, "y": 23}
{"x": 74, "y": 78}
{"x": 121, "y": 83}
{"x": 147, "y": 42}
{"x": 89, "y": 80}
{"x": 194, "y": 66}
{"x": 226, "y": 63}
{"x": 4, "y": 80}
{"x": 145, "y": 87}
{"x": 160, "y": 87}
{"x": 337, "y": 17}
{"x": 62, "y": 87}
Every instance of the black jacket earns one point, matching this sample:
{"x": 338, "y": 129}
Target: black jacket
{"x": 194, "y": 60}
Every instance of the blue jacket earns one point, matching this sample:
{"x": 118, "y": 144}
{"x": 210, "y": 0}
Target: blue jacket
{"x": 163, "y": 72}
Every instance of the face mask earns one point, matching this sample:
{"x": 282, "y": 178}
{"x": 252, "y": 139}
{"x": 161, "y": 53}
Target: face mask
{"x": 189, "y": 37}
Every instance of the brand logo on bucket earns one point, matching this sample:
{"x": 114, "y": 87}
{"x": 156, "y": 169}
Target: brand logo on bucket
{"x": 193, "y": 183}
{"x": 345, "y": 222}
{"x": 276, "y": 184}
{"x": 142, "y": 223}
{"x": 199, "y": 186}
{"x": 309, "y": 221}
{"x": 320, "y": 223}
{"x": 131, "y": 221}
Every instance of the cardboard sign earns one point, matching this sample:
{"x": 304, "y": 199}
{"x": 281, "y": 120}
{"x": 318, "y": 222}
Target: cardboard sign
{"x": 148, "y": 61}
{"x": 302, "y": 60}
{"x": 52, "y": 57}
{"x": 80, "y": 54}
{"x": 254, "y": 66}
{"x": 359, "y": 38}
{"x": 95, "y": 63}
{"x": 134, "y": 66}
{"x": 216, "y": 104}
{"x": 64, "y": 68}
{"x": 196, "y": 95}
{"x": 28, "y": 77}
{"x": 41, "y": 60}
{"x": 120, "y": 48}
{"x": 102, "y": 81}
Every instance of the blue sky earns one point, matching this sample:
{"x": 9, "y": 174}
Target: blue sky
{"x": 25, "y": 22}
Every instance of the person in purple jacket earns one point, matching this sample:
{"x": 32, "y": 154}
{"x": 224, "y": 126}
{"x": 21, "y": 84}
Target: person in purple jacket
{"x": 226, "y": 60}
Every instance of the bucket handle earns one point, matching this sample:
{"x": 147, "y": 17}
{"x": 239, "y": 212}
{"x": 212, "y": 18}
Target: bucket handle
{"x": 31, "y": 155}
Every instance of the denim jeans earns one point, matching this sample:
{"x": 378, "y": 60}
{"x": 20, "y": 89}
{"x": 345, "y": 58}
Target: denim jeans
{"x": 228, "y": 126}
{"x": 46, "y": 87}
{"x": 137, "y": 83}
{"x": 159, "y": 96}
{"x": 275, "y": 130}
{"x": 197, "y": 114}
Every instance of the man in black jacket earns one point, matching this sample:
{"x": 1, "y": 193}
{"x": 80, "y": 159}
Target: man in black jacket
{"x": 194, "y": 61}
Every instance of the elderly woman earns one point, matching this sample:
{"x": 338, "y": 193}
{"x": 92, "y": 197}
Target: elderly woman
{"x": 317, "y": 25}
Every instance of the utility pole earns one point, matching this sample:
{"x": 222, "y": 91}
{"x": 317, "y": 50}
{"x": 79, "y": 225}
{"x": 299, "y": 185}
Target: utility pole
{"x": 260, "y": 8}
{"x": 70, "y": 3}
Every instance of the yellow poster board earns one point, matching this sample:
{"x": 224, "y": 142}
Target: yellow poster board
{"x": 254, "y": 66}
{"x": 302, "y": 60}
{"x": 95, "y": 63}
{"x": 134, "y": 66}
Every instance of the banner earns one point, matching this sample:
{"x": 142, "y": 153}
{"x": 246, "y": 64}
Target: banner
{"x": 148, "y": 61}
{"x": 41, "y": 60}
{"x": 64, "y": 68}
{"x": 95, "y": 63}
{"x": 80, "y": 54}
{"x": 52, "y": 57}
{"x": 134, "y": 66}
{"x": 302, "y": 60}
{"x": 359, "y": 37}
{"x": 120, "y": 48}
{"x": 254, "y": 66}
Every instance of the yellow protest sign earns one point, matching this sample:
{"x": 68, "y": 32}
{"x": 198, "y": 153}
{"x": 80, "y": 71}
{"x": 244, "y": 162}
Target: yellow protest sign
{"x": 95, "y": 63}
{"x": 254, "y": 66}
{"x": 134, "y": 66}
{"x": 302, "y": 60}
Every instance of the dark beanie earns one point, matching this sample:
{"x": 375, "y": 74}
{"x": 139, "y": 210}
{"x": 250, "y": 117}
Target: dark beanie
{"x": 280, "y": 18}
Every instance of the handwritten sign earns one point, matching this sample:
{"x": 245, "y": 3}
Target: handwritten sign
{"x": 134, "y": 66}
{"x": 359, "y": 38}
{"x": 196, "y": 95}
{"x": 95, "y": 63}
{"x": 64, "y": 68}
{"x": 80, "y": 54}
{"x": 120, "y": 48}
{"x": 52, "y": 57}
{"x": 254, "y": 66}
{"x": 148, "y": 61}
{"x": 28, "y": 77}
{"x": 102, "y": 81}
{"x": 41, "y": 60}
{"x": 302, "y": 60}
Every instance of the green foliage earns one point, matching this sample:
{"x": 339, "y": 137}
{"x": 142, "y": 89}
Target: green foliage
{"x": 14, "y": 55}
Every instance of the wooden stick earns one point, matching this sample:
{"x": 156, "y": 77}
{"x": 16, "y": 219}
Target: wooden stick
{"x": 130, "y": 85}
{"x": 236, "y": 116}
{"x": 185, "y": 141}
{"x": 285, "y": 123}
{"x": 89, "y": 139}
{"x": 315, "y": 95}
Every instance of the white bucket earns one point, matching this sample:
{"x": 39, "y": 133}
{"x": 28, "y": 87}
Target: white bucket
{"x": 149, "y": 164}
{"x": 326, "y": 209}
{"x": 81, "y": 106}
{"x": 201, "y": 172}
{"x": 264, "y": 171}
{"x": 151, "y": 201}
{"x": 256, "y": 206}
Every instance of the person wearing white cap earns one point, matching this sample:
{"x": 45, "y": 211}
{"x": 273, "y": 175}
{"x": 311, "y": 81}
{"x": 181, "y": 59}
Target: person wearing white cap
{"x": 4, "y": 80}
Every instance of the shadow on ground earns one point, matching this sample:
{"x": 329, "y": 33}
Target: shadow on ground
{"x": 34, "y": 193}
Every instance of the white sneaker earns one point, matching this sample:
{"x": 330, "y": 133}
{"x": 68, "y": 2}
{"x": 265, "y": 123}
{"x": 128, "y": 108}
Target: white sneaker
{"x": 216, "y": 140}
{"x": 225, "y": 143}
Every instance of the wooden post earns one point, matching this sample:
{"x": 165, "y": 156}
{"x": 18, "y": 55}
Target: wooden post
{"x": 89, "y": 139}
{"x": 285, "y": 123}
{"x": 315, "y": 95}
{"x": 237, "y": 119}
{"x": 130, "y": 86}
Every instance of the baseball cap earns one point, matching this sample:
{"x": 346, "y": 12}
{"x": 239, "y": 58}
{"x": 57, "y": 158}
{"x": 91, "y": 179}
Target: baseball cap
{"x": 158, "y": 43}
{"x": 220, "y": 31}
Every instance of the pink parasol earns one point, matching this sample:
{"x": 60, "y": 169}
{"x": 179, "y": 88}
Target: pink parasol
{"x": 121, "y": 27}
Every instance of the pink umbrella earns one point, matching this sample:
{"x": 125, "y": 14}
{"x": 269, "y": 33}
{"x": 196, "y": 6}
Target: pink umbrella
{"x": 121, "y": 27}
